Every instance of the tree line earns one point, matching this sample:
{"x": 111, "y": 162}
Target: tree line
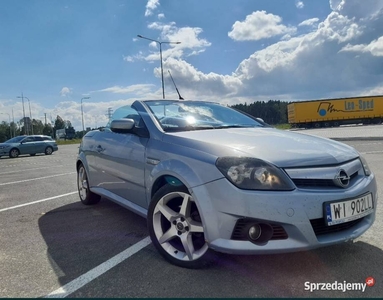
{"x": 272, "y": 112}
{"x": 28, "y": 126}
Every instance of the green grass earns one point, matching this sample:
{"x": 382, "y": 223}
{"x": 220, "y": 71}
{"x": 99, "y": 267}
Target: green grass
{"x": 282, "y": 126}
{"x": 68, "y": 142}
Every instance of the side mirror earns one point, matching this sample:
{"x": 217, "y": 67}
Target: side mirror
{"x": 122, "y": 125}
{"x": 260, "y": 119}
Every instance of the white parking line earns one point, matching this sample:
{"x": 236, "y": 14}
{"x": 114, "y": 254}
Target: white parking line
{"x": 38, "y": 201}
{"x": 23, "y": 170}
{"x": 26, "y": 180}
{"x": 372, "y": 152}
{"x": 84, "y": 279}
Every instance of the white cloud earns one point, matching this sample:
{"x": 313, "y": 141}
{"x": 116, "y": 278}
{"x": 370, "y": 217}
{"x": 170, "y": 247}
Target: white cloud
{"x": 160, "y": 16}
{"x": 138, "y": 89}
{"x": 190, "y": 42}
{"x": 340, "y": 28}
{"x": 161, "y": 26}
{"x": 65, "y": 91}
{"x": 151, "y": 5}
{"x": 299, "y": 4}
{"x": 328, "y": 61}
{"x": 375, "y": 47}
{"x": 128, "y": 58}
{"x": 309, "y": 22}
{"x": 133, "y": 58}
{"x": 357, "y": 8}
{"x": 378, "y": 90}
{"x": 153, "y": 45}
{"x": 300, "y": 67}
{"x": 195, "y": 83}
{"x": 259, "y": 25}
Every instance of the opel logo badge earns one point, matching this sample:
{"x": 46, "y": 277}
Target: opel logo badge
{"x": 342, "y": 179}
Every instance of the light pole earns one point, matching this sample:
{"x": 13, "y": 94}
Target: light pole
{"x": 25, "y": 125}
{"x": 30, "y": 113}
{"x": 13, "y": 119}
{"x": 82, "y": 114}
{"x": 9, "y": 118}
{"x": 162, "y": 70}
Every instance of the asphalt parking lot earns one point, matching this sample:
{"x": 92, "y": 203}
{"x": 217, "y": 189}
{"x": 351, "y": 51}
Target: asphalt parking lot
{"x": 52, "y": 245}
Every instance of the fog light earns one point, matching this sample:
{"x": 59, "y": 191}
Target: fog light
{"x": 255, "y": 232}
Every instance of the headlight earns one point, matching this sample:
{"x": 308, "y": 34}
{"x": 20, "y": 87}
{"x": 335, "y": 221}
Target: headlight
{"x": 253, "y": 174}
{"x": 366, "y": 168}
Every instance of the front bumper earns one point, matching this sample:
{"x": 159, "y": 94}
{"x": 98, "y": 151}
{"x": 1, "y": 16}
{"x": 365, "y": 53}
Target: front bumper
{"x": 4, "y": 151}
{"x": 221, "y": 205}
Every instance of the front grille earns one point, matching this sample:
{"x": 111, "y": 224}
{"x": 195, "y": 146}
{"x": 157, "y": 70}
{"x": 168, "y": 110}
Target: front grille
{"x": 320, "y": 227}
{"x": 240, "y": 234}
{"x": 299, "y": 182}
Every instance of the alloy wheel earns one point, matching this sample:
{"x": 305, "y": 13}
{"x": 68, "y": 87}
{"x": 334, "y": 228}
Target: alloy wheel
{"x": 82, "y": 183}
{"x": 178, "y": 227}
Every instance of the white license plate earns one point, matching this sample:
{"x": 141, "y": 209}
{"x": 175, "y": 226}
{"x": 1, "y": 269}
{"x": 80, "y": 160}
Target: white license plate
{"x": 346, "y": 211}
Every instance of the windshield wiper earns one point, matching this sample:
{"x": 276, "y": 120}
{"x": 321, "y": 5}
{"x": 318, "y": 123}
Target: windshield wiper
{"x": 235, "y": 126}
{"x": 187, "y": 128}
{"x": 206, "y": 127}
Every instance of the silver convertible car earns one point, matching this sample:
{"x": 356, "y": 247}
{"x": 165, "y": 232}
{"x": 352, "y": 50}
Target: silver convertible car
{"x": 208, "y": 177}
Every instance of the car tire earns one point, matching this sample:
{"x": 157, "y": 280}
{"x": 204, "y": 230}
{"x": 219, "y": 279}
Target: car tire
{"x": 48, "y": 150}
{"x": 86, "y": 196}
{"x": 176, "y": 229}
{"x": 14, "y": 153}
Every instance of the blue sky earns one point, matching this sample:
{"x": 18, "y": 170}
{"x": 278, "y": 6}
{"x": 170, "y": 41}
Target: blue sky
{"x": 56, "y": 52}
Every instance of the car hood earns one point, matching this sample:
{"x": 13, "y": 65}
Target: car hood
{"x": 280, "y": 147}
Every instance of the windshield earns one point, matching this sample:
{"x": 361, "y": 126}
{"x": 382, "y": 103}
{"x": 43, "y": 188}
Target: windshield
{"x": 16, "y": 139}
{"x": 197, "y": 115}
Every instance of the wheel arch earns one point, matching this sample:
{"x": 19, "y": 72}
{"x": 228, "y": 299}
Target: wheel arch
{"x": 78, "y": 163}
{"x": 81, "y": 159}
{"x": 165, "y": 179}
{"x": 177, "y": 172}
{"x": 173, "y": 172}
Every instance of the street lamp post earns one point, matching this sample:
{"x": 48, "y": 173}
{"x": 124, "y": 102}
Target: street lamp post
{"x": 30, "y": 113}
{"x": 13, "y": 119}
{"x": 9, "y": 118}
{"x": 162, "y": 70}
{"x": 82, "y": 114}
{"x": 26, "y": 130}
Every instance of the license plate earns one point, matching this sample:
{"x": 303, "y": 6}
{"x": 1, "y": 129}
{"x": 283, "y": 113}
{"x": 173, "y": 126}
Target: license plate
{"x": 346, "y": 211}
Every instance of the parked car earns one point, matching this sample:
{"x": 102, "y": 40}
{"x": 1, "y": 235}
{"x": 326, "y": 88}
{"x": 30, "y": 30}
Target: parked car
{"x": 209, "y": 177}
{"x": 28, "y": 144}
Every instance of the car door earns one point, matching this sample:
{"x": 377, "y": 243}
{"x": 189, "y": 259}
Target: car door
{"x": 121, "y": 160}
{"x": 27, "y": 145}
{"x": 39, "y": 144}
